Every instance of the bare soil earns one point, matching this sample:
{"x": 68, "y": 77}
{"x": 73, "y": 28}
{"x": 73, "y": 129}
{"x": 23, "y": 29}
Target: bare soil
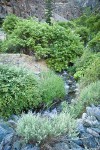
{"x": 22, "y": 60}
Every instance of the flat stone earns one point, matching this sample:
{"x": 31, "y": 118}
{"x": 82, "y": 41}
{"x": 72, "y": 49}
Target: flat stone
{"x": 3, "y": 133}
{"x": 77, "y": 149}
{"x": 8, "y": 139}
{"x": 96, "y": 130}
{"x": 80, "y": 126}
{"x": 14, "y": 117}
{"x": 90, "y": 111}
{"x": 89, "y": 141}
{"x": 78, "y": 142}
{"x": 1, "y": 146}
{"x": 90, "y": 123}
{"x": 97, "y": 113}
{"x": 7, "y": 148}
{"x": 12, "y": 123}
{"x": 17, "y": 145}
{"x": 7, "y": 128}
{"x": 60, "y": 146}
{"x": 92, "y": 132}
{"x": 84, "y": 116}
{"x": 74, "y": 145}
{"x": 30, "y": 147}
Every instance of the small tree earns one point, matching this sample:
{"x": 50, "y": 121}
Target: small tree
{"x": 49, "y": 9}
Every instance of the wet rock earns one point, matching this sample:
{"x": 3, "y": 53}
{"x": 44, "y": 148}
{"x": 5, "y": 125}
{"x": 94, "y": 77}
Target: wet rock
{"x": 80, "y": 127}
{"x": 17, "y": 145}
{"x": 60, "y": 146}
{"x": 7, "y": 148}
{"x": 3, "y": 133}
{"x": 4, "y": 130}
{"x": 88, "y": 140}
{"x": 73, "y": 145}
{"x": 12, "y": 123}
{"x": 77, "y": 149}
{"x": 8, "y": 139}
{"x": 96, "y": 130}
{"x": 78, "y": 142}
{"x": 31, "y": 147}
{"x": 51, "y": 114}
{"x": 84, "y": 116}
{"x": 92, "y": 132}
{"x": 14, "y": 118}
{"x": 6, "y": 127}
{"x": 89, "y": 123}
{"x": 97, "y": 113}
{"x": 90, "y": 111}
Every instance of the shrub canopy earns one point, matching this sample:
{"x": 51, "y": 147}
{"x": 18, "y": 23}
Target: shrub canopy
{"x": 21, "y": 90}
{"x": 58, "y": 45}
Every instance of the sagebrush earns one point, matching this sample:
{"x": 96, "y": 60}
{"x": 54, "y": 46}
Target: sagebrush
{"x": 36, "y": 128}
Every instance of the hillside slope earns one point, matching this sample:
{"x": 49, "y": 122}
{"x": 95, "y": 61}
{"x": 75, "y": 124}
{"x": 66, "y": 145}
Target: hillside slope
{"x": 66, "y": 9}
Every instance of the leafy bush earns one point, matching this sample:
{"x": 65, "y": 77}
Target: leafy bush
{"x": 92, "y": 23}
{"x": 84, "y": 62}
{"x": 67, "y": 25}
{"x": 89, "y": 95}
{"x": 20, "y": 90}
{"x": 81, "y": 21}
{"x": 92, "y": 73}
{"x": 10, "y": 23}
{"x": 54, "y": 43}
{"x": 83, "y": 33}
{"x": 36, "y": 128}
{"x": 94, "y": 44}
{"x": 51, "y": 86}
{"x": 65, "y": 49}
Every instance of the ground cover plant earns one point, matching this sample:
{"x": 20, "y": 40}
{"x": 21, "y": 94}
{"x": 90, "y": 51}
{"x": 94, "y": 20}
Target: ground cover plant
{"x": 36, "y": 128}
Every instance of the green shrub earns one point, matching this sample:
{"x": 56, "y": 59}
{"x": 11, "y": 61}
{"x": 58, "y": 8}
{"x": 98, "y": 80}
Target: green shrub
{"x": 84, "y": 62}
{"x": 18, "y": 91}
{"x": 10, "y": 23}
{"x": 81, "y": 21}
{"x": 67, "y": 25}
{"x": 65, "y": 49}
{"x": 93, "y": 23}
{"x": 92, "y": 72}
{"x": 51, "y": 86}
{"x": 58, "y": 46}
{"x": 35, "y": 128}
{"x": 94, "y": 44}
{"x": 89, "y": 95}
{"x": 83, "y": 33}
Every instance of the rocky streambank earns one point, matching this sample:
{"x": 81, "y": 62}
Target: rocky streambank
{"x": 88, "y": 137}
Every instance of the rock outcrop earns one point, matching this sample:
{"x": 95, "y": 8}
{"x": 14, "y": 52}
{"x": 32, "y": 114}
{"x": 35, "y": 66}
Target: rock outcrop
{"x": 62, "y": 9}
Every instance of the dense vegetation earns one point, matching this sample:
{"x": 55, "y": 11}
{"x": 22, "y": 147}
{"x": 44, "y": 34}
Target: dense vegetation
{"x": 60, "y": 47}
{"x": 73, "y": 46}
{"x": 21, "y": 90}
